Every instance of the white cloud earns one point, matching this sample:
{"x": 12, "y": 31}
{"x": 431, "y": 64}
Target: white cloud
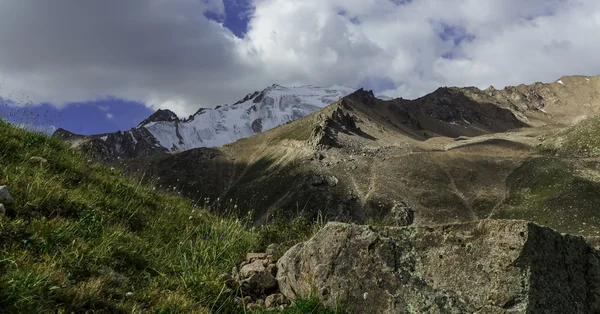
{"x": 166, "y": 54}
{"x": 104, "y": 108}
{"x": 110, "y": 116}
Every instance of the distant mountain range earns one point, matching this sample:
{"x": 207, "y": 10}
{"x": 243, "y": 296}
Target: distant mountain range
{"x": 457, "y": 154}
{"x": 164, "y": 131}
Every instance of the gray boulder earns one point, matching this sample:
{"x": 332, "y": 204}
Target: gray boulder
{"x": 5, "y": 196}
{"x": 490, "y": 266}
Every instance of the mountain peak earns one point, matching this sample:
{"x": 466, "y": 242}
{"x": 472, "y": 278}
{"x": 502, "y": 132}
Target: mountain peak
{"x": 161, "y": 115}
{"x": 363, "y": 96}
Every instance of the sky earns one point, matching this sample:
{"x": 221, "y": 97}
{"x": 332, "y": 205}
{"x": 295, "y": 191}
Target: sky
{"x": 102, "y": 66}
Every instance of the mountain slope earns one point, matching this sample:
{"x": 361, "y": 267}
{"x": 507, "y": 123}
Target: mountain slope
{"x": 79, "y": 238}
{"x": 450, "y": 156}
{"x": 165, "y": 132}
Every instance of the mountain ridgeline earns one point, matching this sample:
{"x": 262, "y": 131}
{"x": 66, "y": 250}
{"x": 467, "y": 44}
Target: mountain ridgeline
{"x": 164, "y": 131}
{"x": 454, "y": 155}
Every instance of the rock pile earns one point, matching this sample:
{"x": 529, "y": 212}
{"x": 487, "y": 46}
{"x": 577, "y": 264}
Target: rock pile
{"x": 255, "y": 277}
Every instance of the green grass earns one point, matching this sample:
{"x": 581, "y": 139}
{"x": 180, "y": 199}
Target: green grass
{"x": 580, "y": 140}
{"x": 550, "y": 191}
{"x": 82, "y": 238}
{"x": 308, "y": 306}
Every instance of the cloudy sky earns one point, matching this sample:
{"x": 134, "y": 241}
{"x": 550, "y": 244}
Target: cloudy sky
{"x": 98, "y": 66}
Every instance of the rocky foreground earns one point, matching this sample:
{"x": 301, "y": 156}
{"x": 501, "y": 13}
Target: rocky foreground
{"x": 489, "y": 266}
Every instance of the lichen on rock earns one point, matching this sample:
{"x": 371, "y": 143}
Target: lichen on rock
{"x": 488, "y": 266}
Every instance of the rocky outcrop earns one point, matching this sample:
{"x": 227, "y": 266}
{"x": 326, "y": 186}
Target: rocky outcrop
{"x": 130, "y": 144}
{"x": 138, "y": 142}
{"x": 257, "y": 126}
{"x": 490, "y": 266}
{"x": 325, "y": 134}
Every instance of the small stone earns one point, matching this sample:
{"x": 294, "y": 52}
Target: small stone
{"x": 276, "y": 299}
{"x": 318, "y": 181}
{"x": 38, "y": 160}
{"x": 2, "y": 209}
{"x": 235, "y": 274}
{"x": 252, "y": 307}
{"x": 242, "y": 302}
{"x": 273, "y": 249}
{"x": 5, "y": 196}
{"x": 129, "y": 294}
{"x": 251, "y": 257}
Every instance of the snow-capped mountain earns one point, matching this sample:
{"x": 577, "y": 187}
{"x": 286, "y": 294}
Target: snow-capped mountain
{"x": 255, "y": 113}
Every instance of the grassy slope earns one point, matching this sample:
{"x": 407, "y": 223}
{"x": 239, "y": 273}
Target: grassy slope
{"x": 554, "y": 192}
{"x": 580, "y": 140}
{"x": 561, "y": 189}
{"x": 80, "y": 237}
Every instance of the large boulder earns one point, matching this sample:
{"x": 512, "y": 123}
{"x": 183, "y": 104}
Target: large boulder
{"x": 490, "y": 266}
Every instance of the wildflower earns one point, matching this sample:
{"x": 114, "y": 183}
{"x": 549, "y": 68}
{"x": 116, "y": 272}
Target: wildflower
{"x": 190, "y": 218}
{"x": 234, "y": 206}
{"x": 193, "y": 211}
{"x": 206, "y": 237}
{"x": 222, "y": 237}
